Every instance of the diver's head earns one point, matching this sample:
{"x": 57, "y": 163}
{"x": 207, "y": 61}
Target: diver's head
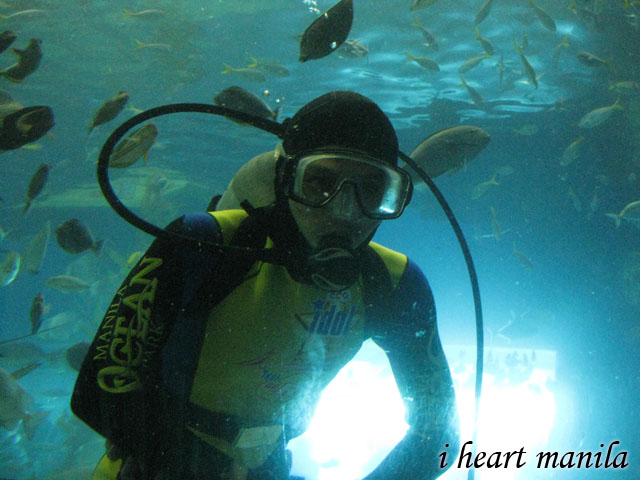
{"x": 337, "y": 171}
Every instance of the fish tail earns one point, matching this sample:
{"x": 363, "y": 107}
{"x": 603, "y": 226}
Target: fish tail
{"x": 410, "y": 58}
{"x": 254, "y": 62}
{"x": 416, "y": 22}
{"x": 31, "y": 422}
{"x": 617, "y": 105}
{"x": 96, "y": 247}
{"x": 517, "y": 47}
{"x": 275, "y": 113}
{"x": 27, "y": 204}
{"x": 227, "y": 69}
{"x": 464, "y": 83}
{"x": 139, "y": 44}
{"x": 615, "y": 217}
{"x": 127, "y": 13}
{"x": 477, "y": 33}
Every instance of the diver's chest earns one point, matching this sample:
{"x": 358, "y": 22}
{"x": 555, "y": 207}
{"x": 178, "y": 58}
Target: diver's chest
{"x": 290, "y": 322}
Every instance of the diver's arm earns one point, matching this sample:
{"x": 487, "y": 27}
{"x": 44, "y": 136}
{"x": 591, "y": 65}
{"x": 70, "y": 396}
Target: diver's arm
{"x": 415, "y": 353}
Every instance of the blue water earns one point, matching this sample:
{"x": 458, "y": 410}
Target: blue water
{"x": 576, "y": 292}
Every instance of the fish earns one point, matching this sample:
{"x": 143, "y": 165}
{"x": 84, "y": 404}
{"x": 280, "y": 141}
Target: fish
{"x": 271, "y": 68}
{"x": 249, "y": 74}
{"x": 28, "y": 61}
{"x": 16, "y": 402}
{"x": 134, "y": 146}
{"x": 472, "y": 63}
{"x": 501, "y": 70}
{"x": 626, "y": 88}
{"x": 595, "y": 201}
{"x": 531, "y": 73}
{"x": 449, "y": 149}
{"x": 9, "y": 268}
{"x": 420, "y": 4}
{"x": 36, "y": 249}
{"x": 495, "y": 226}
{"x": 575, "y": 199}
{"x": 67, "y": 284}
{"x": 522, "y": 258}
{"x": 543, "y": 16}
{"x": 571, "y": 152}
{"x": 591, "y": 60}
{"x": 237, "y": 98}
{"x": 36, "y": 184}
{"x": 631, "y": 212}
{"x": 352, "y": 49}
{"x": 109, "y": 109}
{"x": 327, "y": 32}
{"x": 429, "y": 38}
{"x": 76, "y": 353}
{"x": 30, "y": 11}
{"x": 558, "y": 48}
{"x": 139, "y": 45}
{"x": 525, "y": 41}
{"x": 6, "y": 39}
{"x": 483, "y": 12}
{"x": 505, "y": 171}
{"x": 151, "y": 12}
{"x": 21, "y": 126}
{"x": 599, "y": 115}
{"x": 473, "y": 93}
{"x": 35, "y": 312}
{"x": 424, "y": 62}
{"x": 486, "y": 44}
{"x": 74, "y": 237}
{"x": 482, "y": 188}
{"x": 526, "y": 130}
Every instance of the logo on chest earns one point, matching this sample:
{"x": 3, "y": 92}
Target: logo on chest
{"x": 333, "y": 316}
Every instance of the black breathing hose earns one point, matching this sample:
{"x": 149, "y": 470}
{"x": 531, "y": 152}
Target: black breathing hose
{"x": 473, "y": 277}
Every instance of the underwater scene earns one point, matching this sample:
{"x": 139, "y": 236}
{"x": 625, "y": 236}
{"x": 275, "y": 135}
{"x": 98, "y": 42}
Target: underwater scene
{"x": 544, "y": 181}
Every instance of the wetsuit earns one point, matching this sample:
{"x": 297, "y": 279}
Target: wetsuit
{"x": 263, "y": 356}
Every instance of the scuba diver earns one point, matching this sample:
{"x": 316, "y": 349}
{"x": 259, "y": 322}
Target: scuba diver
{"x": 208, "y": 361}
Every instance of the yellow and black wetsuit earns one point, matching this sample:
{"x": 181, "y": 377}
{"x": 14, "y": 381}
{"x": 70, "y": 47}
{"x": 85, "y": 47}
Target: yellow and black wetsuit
{"x": 250, "y": 376}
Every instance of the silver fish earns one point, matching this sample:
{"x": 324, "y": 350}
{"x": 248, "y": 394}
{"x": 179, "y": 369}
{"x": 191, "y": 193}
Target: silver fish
{"x": 9, "y": 268}
{"x": 449, "y": 149}
{"x": 134, "y": 146}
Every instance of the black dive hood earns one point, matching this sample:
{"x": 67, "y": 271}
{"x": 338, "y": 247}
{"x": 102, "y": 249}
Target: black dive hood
{"x": 268, "y": 255}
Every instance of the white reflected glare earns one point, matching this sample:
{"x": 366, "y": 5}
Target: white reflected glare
{"x": 517, "y": 408}
{"x": 360, "y": 417}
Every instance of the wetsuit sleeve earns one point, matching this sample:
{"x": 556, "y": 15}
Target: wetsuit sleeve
{"x": 411, "y": 341}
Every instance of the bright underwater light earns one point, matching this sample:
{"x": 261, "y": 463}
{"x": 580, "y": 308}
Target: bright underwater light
{"x": 360, "y": 417}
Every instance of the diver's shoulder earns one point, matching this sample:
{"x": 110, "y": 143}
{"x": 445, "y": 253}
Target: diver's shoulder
{"x": 228, "y": 222}
{"x": 395, "y": 262}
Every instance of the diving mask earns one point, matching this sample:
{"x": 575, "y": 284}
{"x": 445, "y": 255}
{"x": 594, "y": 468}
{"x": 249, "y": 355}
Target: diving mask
{"x": 382, "y": 191}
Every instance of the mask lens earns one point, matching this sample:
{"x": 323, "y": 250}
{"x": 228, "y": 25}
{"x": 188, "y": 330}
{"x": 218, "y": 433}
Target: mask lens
{"x": 382, "y": 191}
